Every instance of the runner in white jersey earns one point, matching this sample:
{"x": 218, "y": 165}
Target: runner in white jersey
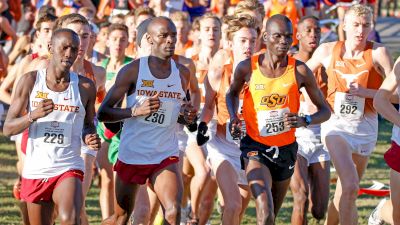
{"x": 60, "y": 112}
{"x": 389, "y": 211}
{"x": 156, "y": 88}
{"x": 310, "y": 181}
{"x": 223, "y": 150}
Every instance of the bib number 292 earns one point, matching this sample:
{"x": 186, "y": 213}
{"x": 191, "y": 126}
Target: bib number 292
{"x": 53, "y": 138}
{"x": 348, "y": 109}
{"x": 155, "y": 118}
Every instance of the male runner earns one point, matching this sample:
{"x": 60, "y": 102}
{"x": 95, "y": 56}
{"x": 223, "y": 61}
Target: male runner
{"x": 389, "y": 211}
{"x": 270, "y": 105}
{"x": 223, "y": 150}
{"x": 156, "y": 88}
{"x": 355, "y": 71}
{"x": 310, "y": 180}
{"x": 60, "y": 112}
{"x": 182, "y": 23}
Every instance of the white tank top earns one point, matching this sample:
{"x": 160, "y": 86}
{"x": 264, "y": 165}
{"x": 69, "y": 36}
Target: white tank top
{"x": 308, "y": 108}
{"x": 54, "y": 143}
{"x": 153, "y": 138}
{"x": 396, "y": 129}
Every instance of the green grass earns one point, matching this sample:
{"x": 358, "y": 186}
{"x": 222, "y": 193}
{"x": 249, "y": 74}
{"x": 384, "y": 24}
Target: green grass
{"x": 377, "y": 170}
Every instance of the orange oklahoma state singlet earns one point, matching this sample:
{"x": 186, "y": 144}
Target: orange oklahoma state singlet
{"x": 266, "y": 100}
{"x": 87, "y": 66}
{"x": 341, "y": 72}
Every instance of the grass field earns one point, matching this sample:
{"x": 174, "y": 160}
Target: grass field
{"x": 377, "y": 170}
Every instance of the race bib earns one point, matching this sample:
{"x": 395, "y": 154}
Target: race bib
{"x": 54, "y": 133}
{"x": 349, "y": 106}
{"x": 162, "y": 117}
{"x": 270, "y": 122}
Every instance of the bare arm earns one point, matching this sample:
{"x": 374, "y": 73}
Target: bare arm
{"x": 195, "y": 95}
{"x": 7, "y": 28}
{"x": 382, "y": 98}
{"x": 321, "y": 57}
{"x": 306, "y": 78}
{"x": 19, "y": 48}
{"x": 7, "y": 86}
{"x": 125, "y": 80}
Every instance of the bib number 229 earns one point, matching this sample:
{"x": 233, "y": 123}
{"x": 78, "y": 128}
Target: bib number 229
{"x": 53, "y": 138}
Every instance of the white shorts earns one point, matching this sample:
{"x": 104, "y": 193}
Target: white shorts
{"x": 361, "y": 135}
{"x": 217, "y": 150}
{"x": 17, "y": 137}
{"x": 185, "y": 137}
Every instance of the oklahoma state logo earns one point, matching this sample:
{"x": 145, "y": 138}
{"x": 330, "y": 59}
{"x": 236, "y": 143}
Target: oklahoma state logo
{"x": 147, "y": 83}
{"x": 42, "y": 95}
{"x": 273, "y": 100}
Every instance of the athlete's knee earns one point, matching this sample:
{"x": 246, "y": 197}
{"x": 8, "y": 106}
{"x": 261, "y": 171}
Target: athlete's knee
{"x": 300, "y": 194}
{"x": 172, "y": 213}
{"x": 233, "y": 207}
{"x": 141, "y": 213}
{"x": 69, "y": 218}
{"x": 350, "y": 190}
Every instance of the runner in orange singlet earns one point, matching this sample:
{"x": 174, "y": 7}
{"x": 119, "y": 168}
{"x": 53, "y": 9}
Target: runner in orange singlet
{"x": 355, "y": 71}
{"x": 270, "y": 105}
{"x": 182, "y": 23}
{"x": 223, "y": 150}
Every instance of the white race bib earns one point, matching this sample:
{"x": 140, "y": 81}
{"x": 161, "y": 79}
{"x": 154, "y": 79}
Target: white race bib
{"x": 162, "y": 117}
{"x": 348, "y": 105}
{"x": 270, "y": 122}
{"x": 54, "y": 133}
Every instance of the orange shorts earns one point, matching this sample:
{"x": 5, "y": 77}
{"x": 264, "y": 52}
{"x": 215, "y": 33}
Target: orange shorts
{"x": 138, "y": 174}
{"x": 35, "y": 190}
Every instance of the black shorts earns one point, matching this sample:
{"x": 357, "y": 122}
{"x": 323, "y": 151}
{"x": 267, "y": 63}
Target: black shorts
{"x": 280, "y": 161}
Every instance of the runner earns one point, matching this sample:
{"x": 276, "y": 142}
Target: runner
{"x": 270, "y": 105}
{"x": 100, "y": 45}
{"x": 310, "y": 181}
{"x": 153, "y": 104}
{"x": 389, "y": 211}
{"x": 355, "y": 71}
{"x": 52, "y": 177}
{"x": 182, "y": 23}
{"x": 223, "y": 151}
{"x": 130, "y": 23}
{"x": 210, "y": 35}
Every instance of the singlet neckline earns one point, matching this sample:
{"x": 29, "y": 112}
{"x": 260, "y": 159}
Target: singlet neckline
{"x": 289, "y": 60}
{"x": 59, "y": 92}
{"x": 151, "y": 74}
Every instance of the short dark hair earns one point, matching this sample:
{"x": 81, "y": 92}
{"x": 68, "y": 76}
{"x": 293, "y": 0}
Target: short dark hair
{"x": 45, "y": 18}
{"x": 304, "y": 18}
{"x": 71, "y": 19}
{"x": 118, "y": 26}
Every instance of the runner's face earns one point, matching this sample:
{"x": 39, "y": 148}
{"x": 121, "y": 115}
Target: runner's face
{"x": 45, "y": 32}
{"x": 357, "y": 27}
{"x": 182, "y": 30}
{"x": 65, "y": 51}
{"x": 279, "y": 38}
{"x": 243, "y": 43}
{"x": 103, "y": 34}
{"x": 163, "y": 39}
{"x": 117, "y": 42}
{"x": 130, "y": 23}
{"x": 309, "y": 34}
{"x": 83, "y": 32}
{"x": 210, "y": 32}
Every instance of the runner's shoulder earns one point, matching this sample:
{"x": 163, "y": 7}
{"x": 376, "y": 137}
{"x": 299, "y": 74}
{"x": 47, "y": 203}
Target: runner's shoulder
{"x": 87, "y": 83}
{"x": 325, "y": 49}
{"x": 28, "y": 79}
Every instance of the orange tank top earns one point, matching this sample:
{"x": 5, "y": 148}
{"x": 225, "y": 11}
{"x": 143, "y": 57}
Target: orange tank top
{"x": 220, "y": 101}
{"x": 341, "y": 72}
{"x": 182, "y": 51}
{"x": 131, "y": 50}
{"x": 265, "y": 102}
{"x": 87, "y": 66}
{"x": 201, "y": 75}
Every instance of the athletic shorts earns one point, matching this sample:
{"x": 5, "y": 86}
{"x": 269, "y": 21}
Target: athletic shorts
{"x": 113, "y": 148}
{"x": 35, "y": 190}
{"x": 86, "y": 150}
{"x": 311, "y": 147}
{"x": 279, "y": 160}
{"x": 138, "y": 174}
{"x": 217, "y": 149}
{"x": 104, "y": 133}
{"x": 182, "y": 137}
{"x": 360, "y": 135}
{"x": 392, "y": 157}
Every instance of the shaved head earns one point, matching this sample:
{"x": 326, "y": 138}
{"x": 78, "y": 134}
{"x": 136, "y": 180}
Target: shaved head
{"x": 64, "y": 33}
{"x": 278, "y": 20}
{"x": 158, "y": 22}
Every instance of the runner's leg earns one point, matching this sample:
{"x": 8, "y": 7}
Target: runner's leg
{"x": 300, "y": 189}
{"x": 260, "y": 181}
{"x": 106, "y": 196}
{"x": 319, "y": 188}
{"x": 87, "y": 181}
{"x": 395, "y": 195}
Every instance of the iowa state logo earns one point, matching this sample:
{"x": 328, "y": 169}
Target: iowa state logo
{"x": 147, "y": 83}
{"x": 273, "y": 100}
{"x": 42, "y": 95}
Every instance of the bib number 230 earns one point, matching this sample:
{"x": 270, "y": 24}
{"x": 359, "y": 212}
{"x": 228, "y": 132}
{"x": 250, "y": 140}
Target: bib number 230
{"x": 158, "y": 118}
